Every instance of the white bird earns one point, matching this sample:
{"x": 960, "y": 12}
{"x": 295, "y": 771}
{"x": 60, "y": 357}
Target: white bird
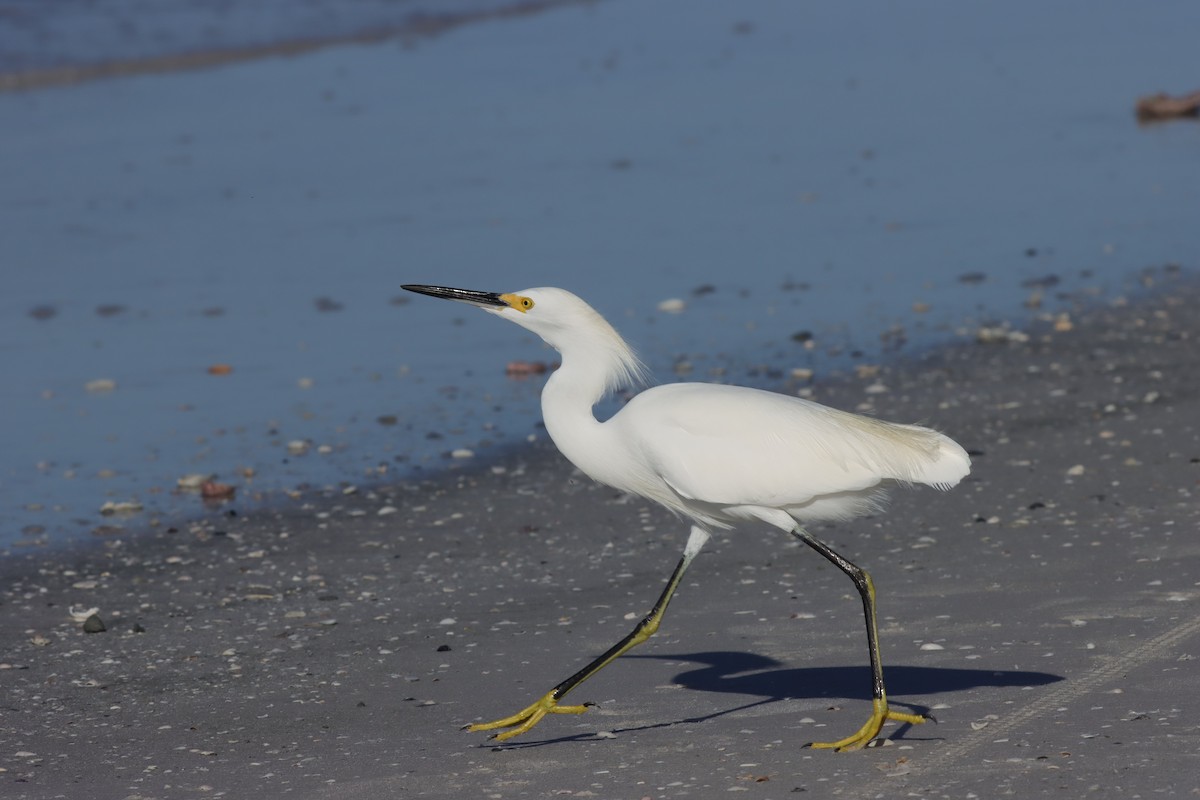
{"x": 717, "y": 455}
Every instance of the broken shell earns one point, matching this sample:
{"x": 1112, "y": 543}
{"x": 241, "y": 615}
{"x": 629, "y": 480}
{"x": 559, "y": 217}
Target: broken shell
{"x": 193, "y": 482}
{"x": 79, "y": 615}
{"x": 125, "y": 507}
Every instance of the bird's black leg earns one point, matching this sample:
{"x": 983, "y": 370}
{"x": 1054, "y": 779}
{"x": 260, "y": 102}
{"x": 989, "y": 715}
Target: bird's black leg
{"x": 531, "y": 715}
{"x": 866, "y": 590}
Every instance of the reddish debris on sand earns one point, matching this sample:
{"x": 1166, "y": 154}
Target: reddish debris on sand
{"x": 1163, "y": 106}
{"x": 523, "y": 369}
{"x": 211, "y": 490}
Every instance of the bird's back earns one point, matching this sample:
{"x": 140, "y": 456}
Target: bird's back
{"x": 728, "y": 446}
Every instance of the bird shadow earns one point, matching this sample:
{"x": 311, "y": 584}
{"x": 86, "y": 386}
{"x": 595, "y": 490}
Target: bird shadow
{"x": 753, "y": 674}
{"x": 742, "y": 673}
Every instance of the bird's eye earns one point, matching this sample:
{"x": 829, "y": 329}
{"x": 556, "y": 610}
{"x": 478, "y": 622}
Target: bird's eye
{"x": 517, "y": 302}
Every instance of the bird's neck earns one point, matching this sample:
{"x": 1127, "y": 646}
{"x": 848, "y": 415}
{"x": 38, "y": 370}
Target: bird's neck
{"x": 567, "y": 402}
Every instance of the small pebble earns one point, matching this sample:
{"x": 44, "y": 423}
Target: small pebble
{"x": 998, "y": 335}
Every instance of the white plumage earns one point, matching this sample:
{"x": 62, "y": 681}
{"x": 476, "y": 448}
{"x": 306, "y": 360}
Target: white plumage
{"x": 720, "y": 446}
{"x": 710, "y": 451}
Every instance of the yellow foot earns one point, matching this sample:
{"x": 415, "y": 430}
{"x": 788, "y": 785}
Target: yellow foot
{"x": 527, "y": 717}
{"x": 879, "y": 713}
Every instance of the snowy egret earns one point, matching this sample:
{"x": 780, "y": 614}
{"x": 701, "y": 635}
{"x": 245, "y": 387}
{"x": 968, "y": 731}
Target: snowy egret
{"x": 716, "y": 455}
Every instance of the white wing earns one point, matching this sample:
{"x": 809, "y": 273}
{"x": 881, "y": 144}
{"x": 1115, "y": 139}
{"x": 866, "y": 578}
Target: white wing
{"x": 730, "y": 445}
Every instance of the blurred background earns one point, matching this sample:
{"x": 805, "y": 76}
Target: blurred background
{"x": 207, "y": 210}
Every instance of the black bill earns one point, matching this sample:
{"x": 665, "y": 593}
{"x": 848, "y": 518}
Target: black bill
{"x": 490, "y": 299}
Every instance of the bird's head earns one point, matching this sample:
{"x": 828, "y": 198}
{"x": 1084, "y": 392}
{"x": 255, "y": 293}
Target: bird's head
{"x": 562, "y": 320}
{"x": 553, "y": 314}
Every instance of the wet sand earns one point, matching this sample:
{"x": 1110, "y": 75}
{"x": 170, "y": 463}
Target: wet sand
{"x": 159, "y": 57}
{"x": 1045, "y": 611}
{"x": 204, "y": 263}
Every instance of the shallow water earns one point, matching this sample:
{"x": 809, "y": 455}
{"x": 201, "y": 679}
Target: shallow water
{"x": 818, "y": 168}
